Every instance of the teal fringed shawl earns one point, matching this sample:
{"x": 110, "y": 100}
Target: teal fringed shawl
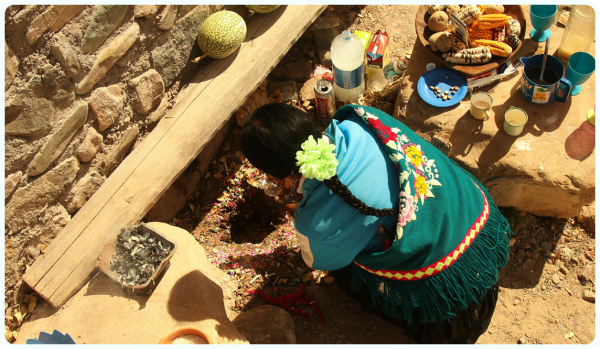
{"x": 450, "y": 239}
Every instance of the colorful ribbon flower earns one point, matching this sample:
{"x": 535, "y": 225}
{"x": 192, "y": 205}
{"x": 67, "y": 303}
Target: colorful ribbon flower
{"x": 317, "y": 160}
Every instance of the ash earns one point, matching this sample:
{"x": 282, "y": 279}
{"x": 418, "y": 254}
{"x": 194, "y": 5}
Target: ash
{"x": 137, "y": 256}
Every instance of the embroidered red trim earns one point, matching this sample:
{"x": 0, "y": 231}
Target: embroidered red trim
{"x": 445, "y": 262}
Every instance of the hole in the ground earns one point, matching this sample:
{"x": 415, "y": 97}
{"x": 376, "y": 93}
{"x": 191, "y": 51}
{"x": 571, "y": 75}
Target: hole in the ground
{"x": 257, "y": 216}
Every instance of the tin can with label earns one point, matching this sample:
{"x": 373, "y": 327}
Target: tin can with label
{"x": 325, "y": 100}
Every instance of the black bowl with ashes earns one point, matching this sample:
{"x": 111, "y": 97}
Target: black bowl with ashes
{"x": 136, "y": 258}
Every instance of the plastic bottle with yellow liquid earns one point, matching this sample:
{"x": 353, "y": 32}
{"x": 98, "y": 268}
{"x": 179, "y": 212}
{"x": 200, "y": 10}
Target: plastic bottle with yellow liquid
{"x": 579, "y": 32}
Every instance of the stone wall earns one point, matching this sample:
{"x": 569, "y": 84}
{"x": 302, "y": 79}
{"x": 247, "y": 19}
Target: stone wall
{"x": 84, "y": 85}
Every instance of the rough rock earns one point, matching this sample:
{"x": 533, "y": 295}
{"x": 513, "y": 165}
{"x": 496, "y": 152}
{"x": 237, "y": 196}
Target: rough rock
{"x": 90, "y": 145}
{"x": 191, "y": 293}
{"x": 167, "y": 17}
{"x": 83, "y": 190}
{"x": 586, "y": 273}
{"x": 567, "y": 253}
{"x": 287, "y": 88}
{"x": 553, "y": 157}
{"x": 325, "y": 58}
{"x": 589, "y": 296}
{"x": 65, "y": 54}
{"x": 107, "y": 103}
{"x": 107, "y": 57}
{"x": 27, "y": 201}
{"x": 11, "y": 183}
{"x": 546, "y": 245}
{"x": 591, "y": 255}
{"x": 159, "y": 112}
{"x": 119, "y": 149}
{"x": 146, "y": 91}
{"x": 307, "y": 92}
{"x": 266, "y": 324}
{"x": 147, "y": 11}
{"x": 28, "y": 116}
{"x": 11, "y": 65}
{"x": 588, "y": 215}
{"x": 54, "y": 85}
{"x": 59, "y": 141}
{"x": 54, "y": 18}
{"x": 297, "y": 71}
{"x": 185, "y": 9}
{"x": 556, "y": 279}
{"x": 173, "y": 49}
{"x": 105, "y": 20}
{"x": 256, "y": 99}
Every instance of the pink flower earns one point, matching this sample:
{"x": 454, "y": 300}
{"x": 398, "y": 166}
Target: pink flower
{"x": 407, "y": 209}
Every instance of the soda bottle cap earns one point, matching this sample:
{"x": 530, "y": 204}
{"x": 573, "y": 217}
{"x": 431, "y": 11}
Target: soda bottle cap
{"x": 346, "y": 35}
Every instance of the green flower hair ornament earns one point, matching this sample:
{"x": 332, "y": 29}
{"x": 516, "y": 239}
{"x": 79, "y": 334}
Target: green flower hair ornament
{"x": 317, "y": 159}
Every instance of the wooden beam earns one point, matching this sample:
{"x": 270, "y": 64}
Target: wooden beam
{"x": 135, "y": 186}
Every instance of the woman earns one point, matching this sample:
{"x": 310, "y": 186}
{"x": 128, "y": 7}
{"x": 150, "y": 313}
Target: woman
{"x": 382, "y": 204}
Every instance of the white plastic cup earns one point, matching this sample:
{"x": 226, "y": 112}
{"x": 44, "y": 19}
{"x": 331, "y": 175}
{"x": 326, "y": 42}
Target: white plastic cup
{"x": 514, "y": 121}
{"x": 478, "y": 110}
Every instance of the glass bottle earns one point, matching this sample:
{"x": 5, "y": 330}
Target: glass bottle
{"x": 579, "y": 33}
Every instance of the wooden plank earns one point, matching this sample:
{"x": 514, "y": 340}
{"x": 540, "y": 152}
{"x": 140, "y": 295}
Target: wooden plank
{"x": 141, "y": 179}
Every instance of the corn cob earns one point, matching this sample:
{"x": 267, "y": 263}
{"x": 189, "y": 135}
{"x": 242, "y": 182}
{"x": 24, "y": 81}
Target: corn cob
{"x": 469, "y": 56}
{"x": 496, "y": 48}
{"x": 478, "y": 33}
{"x": 481, "y": 8}
{"x": 468, "y": 14}
{"x": 499, "y": 34}
{"x": 457, "y": 43}
{"x": 492, "y": 21}
{"x": 434, "y": 8}
{"x": 513, "y": 40}
{"x": 513, "y": 27}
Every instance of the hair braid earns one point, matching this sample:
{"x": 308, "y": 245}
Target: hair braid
{"x": 338, "y": 188}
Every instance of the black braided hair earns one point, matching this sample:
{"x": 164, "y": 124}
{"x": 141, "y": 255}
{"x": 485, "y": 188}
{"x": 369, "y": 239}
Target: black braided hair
{"x": 339, "y": 188}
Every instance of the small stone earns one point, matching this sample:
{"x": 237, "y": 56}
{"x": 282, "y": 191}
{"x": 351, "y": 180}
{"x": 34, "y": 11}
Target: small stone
{"x": 591, "y": 255}
{"x": 548, "y": 254}
{"x": 563, "y": 284}
{"x": 522, "y": 341}
{"x": 28, "y": 116}
{"x": 146, "y": 11}
{"x": 59, "y": 141}
{"x": 105, "y": 20}
{"x": 11, "y": 66}
{"x": 90, "y": 145}
{"x": 159, "y": 112}
{"x": 563, "y": 269}
{"x": 107, "y": 103}
{"x": 586, "y": 273}
{"x": 589, "y": 296}
{"x": 11, "y": 183}
{"x": 107, "y": 58}
{"x": 328, "y": 280}
{"x": 146, "y": 91}
{"x": 54, "y": 18}
{"x": 226, "y": 146}
{"x": 167, "y": 17}
{"x": 119, "y": 149}
{"x": 523, "y": 244}
{"x": 556, "y": 279}
{"x": 516, "y": 301}
{"x": 546, "y": 245}
{"x": 65, "y": 54}
{"x": 512, "y": 242}
{"x": 83, "y": 190}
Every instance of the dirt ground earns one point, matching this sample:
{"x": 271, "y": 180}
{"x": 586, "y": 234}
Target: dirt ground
{"x": 246, "y": 233}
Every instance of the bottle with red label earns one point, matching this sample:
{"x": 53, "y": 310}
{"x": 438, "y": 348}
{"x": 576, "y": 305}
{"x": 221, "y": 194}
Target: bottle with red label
{"x": 348, "y": 58}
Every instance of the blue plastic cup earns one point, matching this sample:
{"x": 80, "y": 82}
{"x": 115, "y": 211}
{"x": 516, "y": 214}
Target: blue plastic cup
{"x": 542, "y": 18}
{"x": 580, "y": 68}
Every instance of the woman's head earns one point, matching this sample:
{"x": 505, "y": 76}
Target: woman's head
{"x": 272, "y": 135}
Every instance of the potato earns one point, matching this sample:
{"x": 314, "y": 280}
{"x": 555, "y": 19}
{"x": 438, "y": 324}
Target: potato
{"x": 438, "y": 21}
{"x": 440, "y": 42}
{"x": 452, "y": 9}
{"x": 493, "y": 9}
